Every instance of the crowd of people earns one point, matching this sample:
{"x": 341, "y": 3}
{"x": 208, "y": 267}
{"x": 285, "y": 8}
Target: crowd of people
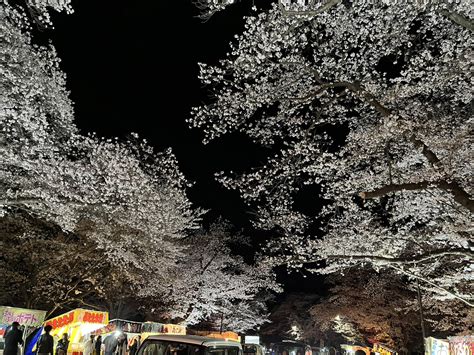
{"x": 115, "y": 343}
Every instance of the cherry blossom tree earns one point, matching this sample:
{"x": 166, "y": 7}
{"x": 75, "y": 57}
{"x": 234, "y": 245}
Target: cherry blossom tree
{"x": 37, "y": 115}
{"x": 38, "y": 11}
{"x": 44, "y": 268}
{"x": 136, "y": 213}
{"x": 363, "y": 307}
{"x": 305, "y": 8}
{"x": 290, "y": 317}
{"x": 123, "y": 199}
{"x": 207, "y": 8}
{"x": 367, "y": 307}
{"x": 370, "y": 103}
{"x": 214, "y": 284}
{"x": 127, "y": 199}
{"x": 118, "y": 221}
{"x": 380, "y": 307}
{"x": 444, "y": 316}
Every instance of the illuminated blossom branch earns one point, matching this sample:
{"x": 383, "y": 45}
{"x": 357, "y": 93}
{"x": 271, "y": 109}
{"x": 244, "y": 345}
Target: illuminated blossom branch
{"x": 208, "y": 8}
{"x": 130, "y": 201}
{"x": 369, "y": 103}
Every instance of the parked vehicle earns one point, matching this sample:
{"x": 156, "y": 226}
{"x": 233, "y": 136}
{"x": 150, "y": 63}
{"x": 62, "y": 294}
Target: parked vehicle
{"x": 320, "y": 351}
{"x": 253, "y": 349}
{"x": 290, "y": 347}
{"x": 188, "y": 345}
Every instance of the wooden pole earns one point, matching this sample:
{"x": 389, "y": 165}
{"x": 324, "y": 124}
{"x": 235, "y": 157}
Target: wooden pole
{"x": 222, "y": 322}
{"x": 422, "y": 320}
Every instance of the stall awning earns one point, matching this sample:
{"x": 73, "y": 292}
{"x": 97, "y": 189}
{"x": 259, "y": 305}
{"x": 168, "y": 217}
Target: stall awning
{"x": 79, "y": 316}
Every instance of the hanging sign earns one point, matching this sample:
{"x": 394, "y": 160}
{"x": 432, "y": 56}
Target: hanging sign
{"x": 174, "y": 329}
{"x": 79, "y": 316}
{"x": 27, "y": 317}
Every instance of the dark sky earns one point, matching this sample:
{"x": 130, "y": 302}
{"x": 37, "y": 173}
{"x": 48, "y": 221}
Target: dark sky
{"x": 132, "y": 67}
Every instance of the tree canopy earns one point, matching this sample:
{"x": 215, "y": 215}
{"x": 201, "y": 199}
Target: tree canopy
{"x": 104, "y": 223}
{"x": 369, "y": 103}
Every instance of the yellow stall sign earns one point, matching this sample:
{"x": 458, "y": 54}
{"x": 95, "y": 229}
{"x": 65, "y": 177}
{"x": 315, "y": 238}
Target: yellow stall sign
{"x": 77, "y": 324}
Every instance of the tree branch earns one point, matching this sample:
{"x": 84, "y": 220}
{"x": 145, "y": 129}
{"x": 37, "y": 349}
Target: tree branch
{"x": 325, "y": 7}
{"x": 394, "y": 263}
{"x": 84, "y": 303}
{"x": 460, "y": 195}
{"x": 394, "y": 188}
{"x": 209, "y": 262}
{"x": 432, "y": 284}
{"x": 355, "y": 88}
{"x": 458, "y": 19}
{"x": 453, "y": 16}
{"x": 410, "y": 259}
{"x": 427, "y": 152}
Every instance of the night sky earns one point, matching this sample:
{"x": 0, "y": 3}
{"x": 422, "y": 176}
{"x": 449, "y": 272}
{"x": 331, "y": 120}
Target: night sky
{"x": 132, "y": 67}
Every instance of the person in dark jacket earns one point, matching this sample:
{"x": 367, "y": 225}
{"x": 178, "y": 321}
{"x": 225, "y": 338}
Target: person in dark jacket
{"x": 45, "y": 343}
{"x": 122, "y": 345}
{"x": 63, "y": 344}
{"x": 110, "y": 344}
{"x": 132, "y": 350}
{"x": 13, "y": 338}
{"x": 98, "y": 344}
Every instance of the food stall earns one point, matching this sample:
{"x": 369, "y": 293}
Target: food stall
{"x": 76, "y": 324}
{"x": 126, "y": 326}
{"x": 30, "y": 320}
{"x": 355, "y": 349}
{"x": 461, "y": 345}
{"x": 131, "y": 329}
{"x": 435, "y": 346}
{"x": 213, "y": 334}
{"x": 382, "y": 349}
{"x": 154, "y": 328}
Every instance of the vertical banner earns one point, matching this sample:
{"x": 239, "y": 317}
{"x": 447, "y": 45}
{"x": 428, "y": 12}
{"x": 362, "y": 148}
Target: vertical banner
{"x": 461, "y": 345}
{"x": 435, "y": 346}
